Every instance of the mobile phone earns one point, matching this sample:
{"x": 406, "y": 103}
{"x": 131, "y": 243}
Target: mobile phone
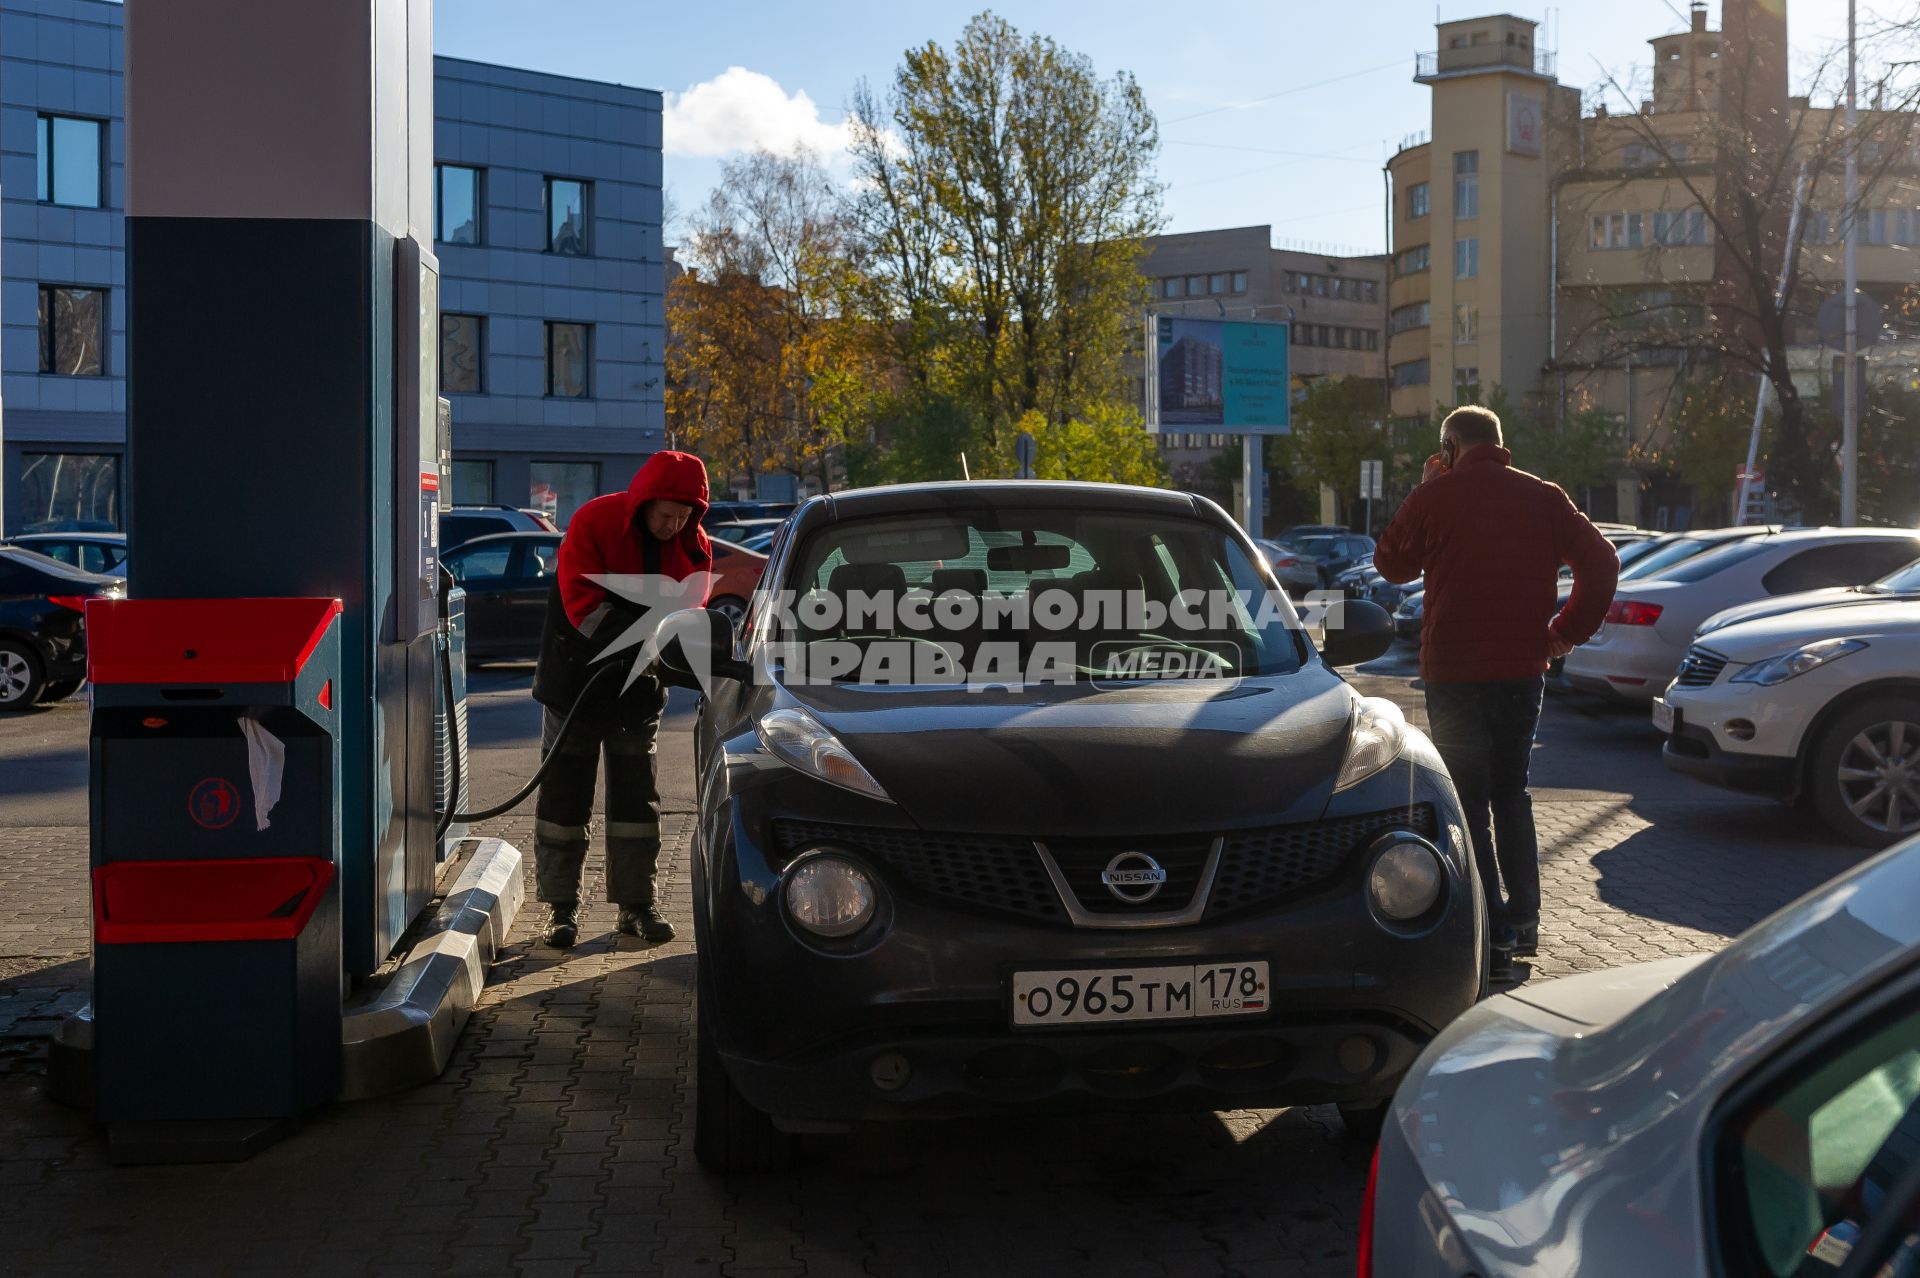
{"x": 1449, "y": 448}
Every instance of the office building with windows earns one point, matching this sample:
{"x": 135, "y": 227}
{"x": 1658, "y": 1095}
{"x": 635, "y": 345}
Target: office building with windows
{"x": 547, "y": 228}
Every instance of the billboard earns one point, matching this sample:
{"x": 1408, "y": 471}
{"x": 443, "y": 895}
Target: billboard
{"x": 1218, "y": 376}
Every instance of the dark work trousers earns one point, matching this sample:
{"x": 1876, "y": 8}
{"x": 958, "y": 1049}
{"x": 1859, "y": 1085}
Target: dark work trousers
{"x": 1484, "y": 732}
{"x": 630, "y": 740}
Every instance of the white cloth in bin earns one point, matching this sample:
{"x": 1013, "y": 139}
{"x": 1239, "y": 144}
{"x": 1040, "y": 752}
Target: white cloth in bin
{"x": 266, "y": 764}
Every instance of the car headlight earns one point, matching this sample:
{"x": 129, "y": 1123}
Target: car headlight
{"x": 1405, "y": 880}
{"x": 1379, "y": 731}
{"x": 829, "y": 896}
{"x": 1802, "y": 659}
{"x": 802, "y": 741}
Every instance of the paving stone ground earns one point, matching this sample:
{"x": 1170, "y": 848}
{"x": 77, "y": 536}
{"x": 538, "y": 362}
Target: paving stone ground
{"x": 559, "y": 1139}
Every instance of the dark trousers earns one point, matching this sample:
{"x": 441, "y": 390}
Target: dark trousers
{"x": 565, "y": 806}
{"x": 1484, "y": 732}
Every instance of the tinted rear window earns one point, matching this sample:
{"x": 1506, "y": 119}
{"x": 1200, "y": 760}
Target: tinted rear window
{"x": 1701, "y": 567}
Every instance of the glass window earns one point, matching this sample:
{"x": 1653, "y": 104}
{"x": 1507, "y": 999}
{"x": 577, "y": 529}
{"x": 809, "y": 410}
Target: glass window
{"x": 456, "y": 204}
{"x": 1847, "y": 565}
{"x": 1217, "y": 283}
{"x": 1466, "y": 184}
{"x": 560, "y": 488}
{"x": 1371, "y": 291}
{"x": 73, "y": 331}
{"x": 567, "y": 214}
{"x": 472, "y": 483}
{"x": 1466, "y": 383}
{"x": 1419, "y": 200}
{"x": 1700, "y": 567}
{"x": 71, "y": 490}
{"x": 70, "y": 152}
{"x": 1175, "y": 286}
{"x": 1239, "y": 281}
{"x": 567, "y": 360}
{"x": 1418, "y": 315}
{"x": 1466, "y": 258}
{"x": 479, "y": 563}
{"x": 1414, "y": 260}
{"x": 462, "y": 354}
{"x": 1319, "y": 286}
{"x": 1466, "y": 322}
{"x": 1816, "y": 1158}
{"x": 1196, "y": 286}
{"x": 1417, "y": 372}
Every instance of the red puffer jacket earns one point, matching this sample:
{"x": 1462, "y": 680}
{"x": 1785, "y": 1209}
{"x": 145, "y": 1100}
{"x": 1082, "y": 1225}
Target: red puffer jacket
{"x": 1491, "y": 540}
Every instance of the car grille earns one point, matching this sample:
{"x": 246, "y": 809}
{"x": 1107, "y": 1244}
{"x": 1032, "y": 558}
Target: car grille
{"x": 1700, "y": 668}
{"x": 995, "y": 872}
{"x": 1260, "y": 867}
{"x": 1004, "y": 873}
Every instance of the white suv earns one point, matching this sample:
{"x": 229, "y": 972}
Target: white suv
{"x": 1820, "y": 705}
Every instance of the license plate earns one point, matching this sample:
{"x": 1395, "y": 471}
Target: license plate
{"x": 1101, "y": 996}
{"x": 1663, "y": 716}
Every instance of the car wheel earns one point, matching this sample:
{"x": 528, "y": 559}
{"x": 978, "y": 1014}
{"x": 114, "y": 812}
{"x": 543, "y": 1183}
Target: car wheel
{"x": 1865, "y": 772}
{"x": 59, "y": 690}
{"x": 729, "y": 1134}
{"x": 21, "y": 677}
{"x": 1365, "y": 1121}
{"x": 733, "y": 608}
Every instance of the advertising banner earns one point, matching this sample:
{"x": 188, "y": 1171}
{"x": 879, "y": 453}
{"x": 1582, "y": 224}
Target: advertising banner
{"x": 1218, "y": 376}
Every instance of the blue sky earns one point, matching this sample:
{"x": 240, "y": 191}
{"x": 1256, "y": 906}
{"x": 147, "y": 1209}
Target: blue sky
{"x": 1278, "y": 112}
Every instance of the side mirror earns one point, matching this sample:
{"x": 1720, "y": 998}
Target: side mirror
{"x": 696, "y": 646}
{"x": 1356, "y": 630}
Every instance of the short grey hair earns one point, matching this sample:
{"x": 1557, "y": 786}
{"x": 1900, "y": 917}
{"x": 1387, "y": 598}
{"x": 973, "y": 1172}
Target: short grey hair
{"x": 1473, "y": 424}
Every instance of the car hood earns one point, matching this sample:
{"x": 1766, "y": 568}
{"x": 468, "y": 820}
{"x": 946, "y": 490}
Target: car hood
{"x": 1769, "y": 636}
{"x": 1778, "y": 604}
{"x": 1151, "y": 758}
{"x": 1575, "y": 1108}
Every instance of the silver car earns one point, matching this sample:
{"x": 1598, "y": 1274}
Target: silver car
{"x": 1755, "y": 1112}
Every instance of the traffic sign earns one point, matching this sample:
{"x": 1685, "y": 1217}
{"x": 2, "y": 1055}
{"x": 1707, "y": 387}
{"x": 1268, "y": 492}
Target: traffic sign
{"x": 1023, "y": 453}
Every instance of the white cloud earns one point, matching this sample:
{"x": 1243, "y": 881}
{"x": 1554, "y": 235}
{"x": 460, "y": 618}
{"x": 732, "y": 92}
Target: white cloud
{"x": 741, "y": 110}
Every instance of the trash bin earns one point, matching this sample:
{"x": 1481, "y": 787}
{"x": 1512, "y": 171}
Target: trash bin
{"x": 215, "y": 850}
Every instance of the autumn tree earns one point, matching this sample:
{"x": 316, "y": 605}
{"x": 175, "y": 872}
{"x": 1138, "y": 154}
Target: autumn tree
{"x": 1335, "y": 428}
{"x": 1004, "y": 191}
{"x": 767, "y": 369}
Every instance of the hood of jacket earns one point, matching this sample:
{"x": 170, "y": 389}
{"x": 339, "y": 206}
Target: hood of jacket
{"x": 674, "y": 476}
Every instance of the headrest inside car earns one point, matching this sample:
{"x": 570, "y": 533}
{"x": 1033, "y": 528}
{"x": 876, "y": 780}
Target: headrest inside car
{"x": 1029, "y": 558}
{"x": 905, "y": 543}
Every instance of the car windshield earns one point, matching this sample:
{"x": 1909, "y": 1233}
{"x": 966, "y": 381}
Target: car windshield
{"x": 1631, "y": 553}
{"x": 46, "y": 564}
{"x": 1080, "y": 595}
{"x": 1314, "y": 545}
{"x": 1898, "y": 582}
{"x": 1668, "y": 553}
{"x": 1700, "y": 567}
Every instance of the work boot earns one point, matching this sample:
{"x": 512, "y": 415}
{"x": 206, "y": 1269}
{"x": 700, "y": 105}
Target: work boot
{"x": 563, "y": 925}
{"x": 644, "y": 921}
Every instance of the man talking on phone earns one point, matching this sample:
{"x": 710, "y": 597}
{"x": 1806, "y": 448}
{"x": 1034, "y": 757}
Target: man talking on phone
{"x": 1490, "y": 540}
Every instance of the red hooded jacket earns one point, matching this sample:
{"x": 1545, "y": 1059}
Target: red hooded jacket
{"x": 1491, "y": 540}
{"x": 607, "y": 536}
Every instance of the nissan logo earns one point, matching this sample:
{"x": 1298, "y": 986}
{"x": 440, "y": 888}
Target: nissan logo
{"x": 1133, "y": 877}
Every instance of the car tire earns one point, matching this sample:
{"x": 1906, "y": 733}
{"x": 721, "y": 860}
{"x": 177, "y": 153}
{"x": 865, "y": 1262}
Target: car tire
{"x": 729, "y": 1134}
{"x": 21, "y": 675}
{"x": 733, "y": 608}
{"x": 59, "y": 690}
{"x": 1840, "y": 770}
{"x": 1365, "y": 1121}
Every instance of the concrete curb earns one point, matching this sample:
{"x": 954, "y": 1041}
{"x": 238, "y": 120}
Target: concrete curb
{"x": 403, "y": 1035}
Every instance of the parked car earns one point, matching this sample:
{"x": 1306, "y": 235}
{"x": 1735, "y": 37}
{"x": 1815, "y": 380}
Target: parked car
{"x": 1409, "y": 620}
{"x": 761, "y": 542}
{"x": 737, "y": 572}
{"x": 743, "y": 529}
{"x": 507, "y": 577}
{"x": 1901, "y": 583}
{"x": 734, "y": 512}
{"x": 1312, "y": 562}
{"x": 1312, "y": 530}
{"x": 88, "y": 551}
{"x": 1168, "y": 895}
{"x": 43, "y": 625}
{"x": 1755, "y": 1112}
{"x": 1651, "y": 622}
{"x": 1820, "y": 705}
{"x": 540, "y": 516}
{"x": 461, "y": 524}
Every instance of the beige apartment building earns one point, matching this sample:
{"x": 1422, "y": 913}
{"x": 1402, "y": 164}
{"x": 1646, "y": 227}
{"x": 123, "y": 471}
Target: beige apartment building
{"x": 1569, "y": 258}
{"x": 1337, "y": 306}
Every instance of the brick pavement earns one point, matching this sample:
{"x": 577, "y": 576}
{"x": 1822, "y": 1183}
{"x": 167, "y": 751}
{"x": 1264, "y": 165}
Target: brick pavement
{"x": 557, "y": 1140}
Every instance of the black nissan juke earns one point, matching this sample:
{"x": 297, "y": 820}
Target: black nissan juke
{"x": 1040, "y": 795}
